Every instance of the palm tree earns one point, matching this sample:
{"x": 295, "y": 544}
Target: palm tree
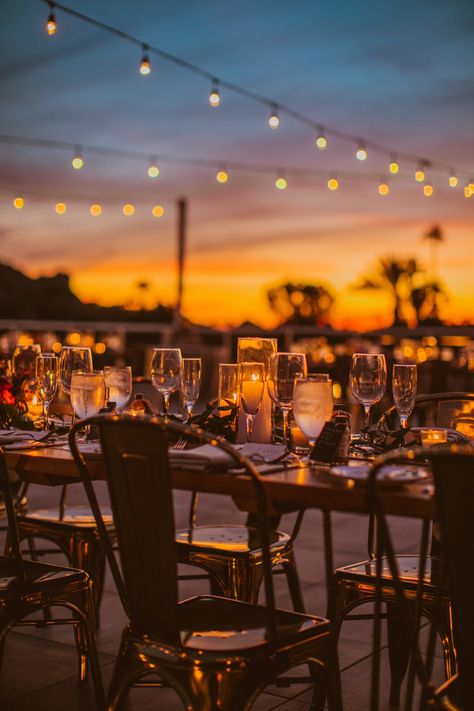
{"x": 301, "y": 303}
{"x": 435, "y": 236}
{"x": 395, "y": 276}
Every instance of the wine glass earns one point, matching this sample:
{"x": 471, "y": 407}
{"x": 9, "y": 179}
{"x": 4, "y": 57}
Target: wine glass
{"x": 166, "y": 373}
{"x": 119, "y": 383}
{"x": 190, "y": 382}
{"x": 73, "y": 359}
{"x": 312, "y": 404}
{"x": 87, "y": 394}
{"x": 24, "y": 362}
{"x": 284, "y": 369}
{"x": 252, "y": 383}
{"x": 368, "y": 379}
{"x": 404, "y": 378}
{"x": 46, "y": 381}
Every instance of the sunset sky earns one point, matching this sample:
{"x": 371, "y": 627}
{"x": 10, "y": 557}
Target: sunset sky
{"x": 397, "y": 72}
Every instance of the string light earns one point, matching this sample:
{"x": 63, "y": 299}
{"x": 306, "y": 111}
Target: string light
{"x": 51, "y": 25}
{"x": 153, "y": 170}
{"x": 128, "y": 210}
{"x": 60, "y": 208}
{"x": 157, "y": 211}
{"x": 19, "y": 203}
{"x": 95, "y": 210}
{"x": 361, "y": 152}
{"x": 214, "y": 96}
{"x": 222, "y": 176}
{"x": 419, "y": 175}
{"x": 78, "y": 160}
{"x": 145, "y": 66}
{"x": 467, "y": 190}
{"x": 274, "y": 120}
{"x": 281, "y": 182}
{"x": 452, "y": 180}
{"x": 394, "y": 165}
{"x": 321, "y": 140}
{"x": 384, "y": 187}
{"x": 333, "y": 183}
{"x": 428, "y": 190}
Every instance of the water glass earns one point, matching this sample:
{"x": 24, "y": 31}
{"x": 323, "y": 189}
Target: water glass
{"x": 312, "y": 404}
{"x": 46, "y": 381}
{"x": 404, "y": 379}
{"x": 119, "y": 383}
{"x": 368, "y": 379}
{"x": 73, "y": 359}
{"x": 252, "y": 383}
{"x": 87, "y": 393}
{"x": 190, "y": 382}
{"x": 166, "y": 373}
{"x": 284, "y": 369}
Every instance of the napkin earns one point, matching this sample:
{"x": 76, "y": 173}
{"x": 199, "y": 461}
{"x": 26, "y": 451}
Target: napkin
{"x": 208, "y": 456}
{"x": 11, "y": 436}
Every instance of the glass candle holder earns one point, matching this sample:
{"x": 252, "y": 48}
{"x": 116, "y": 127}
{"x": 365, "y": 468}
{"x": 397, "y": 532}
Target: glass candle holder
{"x": 258, "y": 350}
{"x": 433, "y": 436}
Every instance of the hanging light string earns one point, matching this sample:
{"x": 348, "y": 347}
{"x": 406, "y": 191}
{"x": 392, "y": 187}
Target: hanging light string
{"x": 322, "y": 131}
{"x": 222, "y": 167}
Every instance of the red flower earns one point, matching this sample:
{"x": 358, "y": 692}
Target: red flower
{"x": 6, "y": 396}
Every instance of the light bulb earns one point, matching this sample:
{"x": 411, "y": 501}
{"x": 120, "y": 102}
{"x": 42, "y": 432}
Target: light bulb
{"x": 51, "y": 25}
{"x": 78, "y": 160}
{"x": 321, "y": 141}
{"x": 281, "y": 183}
{"x": 467, "y": 191}
{"x": 19, "y": 203}
{"x": 157, "y": 211}
{"x": 427, "y": 190}
{"x": 60, "y": 208}
{"x": 95, "y": 210}
{"x": 274, "y": 120}
{"x": 419, "y": 175}
{"x": 394, "y": 166}
{"x": 384, "y": 189}
{"x": 145, "y": 66}
{"x": 453, "y": 181}
{"x": 361, "y": 153}
{"x": 128, "y": 210}
{"x": 214, "y": 96}
{"x": 153, "y": 171}
{"x": 222, "y": 176}
{"x": 333, "y": 183}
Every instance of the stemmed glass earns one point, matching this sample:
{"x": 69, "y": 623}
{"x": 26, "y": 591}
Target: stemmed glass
{"x": 404, "y": 378}
{"x": 87, "y": 394}
{"x": 119, "y": 383}
{"x": 46, "y": 381}
{"x": 368, "y": 379}
{"x": 73, "y": 359}
{"x": 190, "y": 382}
{"x": 284, "y": 369}
{"x": 252, "y": 383}
{"x": 24, "y": 361}
{"x": 312, "y": 404}
{"x": 166, "y": 373}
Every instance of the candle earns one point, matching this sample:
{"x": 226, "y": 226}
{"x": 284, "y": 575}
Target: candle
{"x": 252, "y": 391}
{"x": 35, "y": 407}
{"x": 257, "y": 350}
{"x": 433, "y": 436}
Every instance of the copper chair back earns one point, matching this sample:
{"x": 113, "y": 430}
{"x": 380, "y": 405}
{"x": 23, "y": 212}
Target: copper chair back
{"x": 441, "y": 409}
{"x": 135, "y": 452}
{"x": 11, "y": 519}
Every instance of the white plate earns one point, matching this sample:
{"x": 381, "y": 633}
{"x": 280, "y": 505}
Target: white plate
{"x": 392, "y": 475}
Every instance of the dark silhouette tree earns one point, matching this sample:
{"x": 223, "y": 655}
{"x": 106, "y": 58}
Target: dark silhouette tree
{"x": 434, "y": 236}
{"x": 301, "y": 303}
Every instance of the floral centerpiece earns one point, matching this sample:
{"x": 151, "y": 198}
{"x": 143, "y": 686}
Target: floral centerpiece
{"x": 13, "y": 406}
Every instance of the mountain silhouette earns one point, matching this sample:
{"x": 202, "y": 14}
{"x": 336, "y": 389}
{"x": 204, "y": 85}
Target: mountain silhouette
{"x": 52, "y": 298}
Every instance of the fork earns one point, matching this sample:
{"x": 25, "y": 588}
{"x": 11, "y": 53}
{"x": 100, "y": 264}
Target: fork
{"x": 180, "y": 444}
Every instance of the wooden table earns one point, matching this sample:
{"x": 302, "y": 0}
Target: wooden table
{"x": 288, "y": 490}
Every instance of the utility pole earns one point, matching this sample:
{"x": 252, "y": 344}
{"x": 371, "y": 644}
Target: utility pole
{"x": 182, "y": 206}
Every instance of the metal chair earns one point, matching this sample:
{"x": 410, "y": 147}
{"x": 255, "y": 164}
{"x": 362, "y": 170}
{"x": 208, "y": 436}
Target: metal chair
{"x": 27, "y": 586}
{"x": 215, "y": 652}
{"x": 356, "y": 584}
{"x": 454, "y": 489}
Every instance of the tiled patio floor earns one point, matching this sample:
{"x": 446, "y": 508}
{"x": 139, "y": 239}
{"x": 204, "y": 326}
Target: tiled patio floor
{"x": 39, "y": 667}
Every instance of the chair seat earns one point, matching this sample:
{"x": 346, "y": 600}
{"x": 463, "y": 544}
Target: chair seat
{"x": 221, "y": 625}
{"x": 408, "y": 566}
{"x": 235, "y": 540}
{"x": 39, "y": 576}
{"x": 79, "y": 516}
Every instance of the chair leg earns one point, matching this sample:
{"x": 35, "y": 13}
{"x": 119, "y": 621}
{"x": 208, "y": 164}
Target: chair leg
{"x": 445, "y": 631}
{"x": 398, "y": 634}
{"x": 292, "y": 577}
{"x": 126, "y": 671}
{"x": 88, "y": 555}
{"x": 239, "y": 580}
